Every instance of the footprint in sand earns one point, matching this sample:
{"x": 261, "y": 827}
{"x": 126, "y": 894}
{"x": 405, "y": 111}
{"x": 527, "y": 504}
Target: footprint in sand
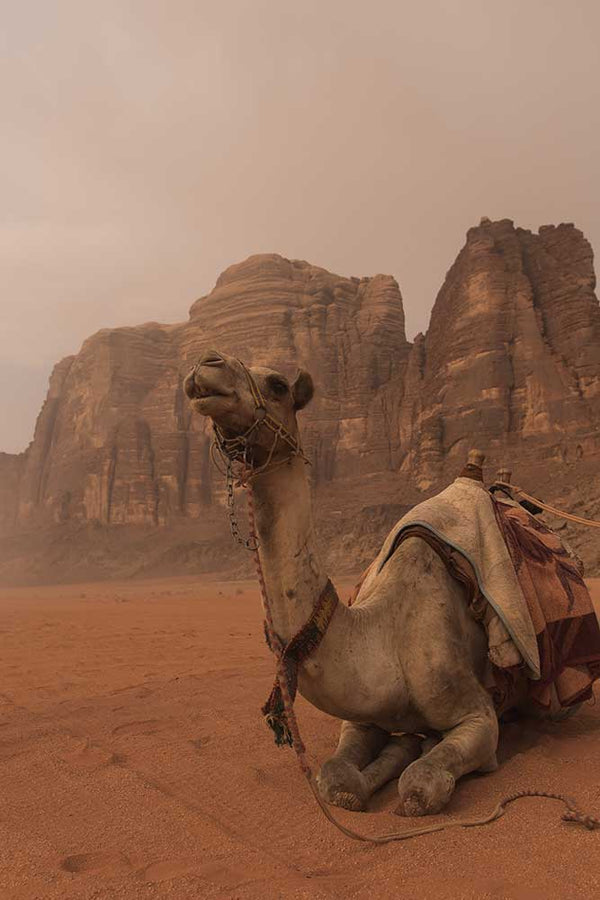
{"x": 148, "y": 726}
{"x": 111, "y": 862}
{"x": 167, "y": 869}
{"x": 87, "y": 755}
{"x": 216, "y": 873}
{"x": 143, "y": 690}
{"x": 222, "y": 876}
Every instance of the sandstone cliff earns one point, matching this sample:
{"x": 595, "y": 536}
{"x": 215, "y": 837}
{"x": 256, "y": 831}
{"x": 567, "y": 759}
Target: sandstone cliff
{"x": 118, "y": 478}
{"x": 511, "y": 356}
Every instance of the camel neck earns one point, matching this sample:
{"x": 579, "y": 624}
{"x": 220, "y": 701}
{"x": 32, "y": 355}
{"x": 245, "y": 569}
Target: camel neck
{"x": 294, "y": 574}
{"x": 295, "y": 579}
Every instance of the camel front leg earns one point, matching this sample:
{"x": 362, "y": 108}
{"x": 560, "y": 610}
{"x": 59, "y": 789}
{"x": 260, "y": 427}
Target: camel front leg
{"x": 366, "y": 758}
{"x": 399, "y": 752}
{"x": 426, "y": 786}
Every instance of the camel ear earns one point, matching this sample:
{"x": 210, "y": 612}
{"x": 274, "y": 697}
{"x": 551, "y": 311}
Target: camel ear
{"x": 302, "y": 389}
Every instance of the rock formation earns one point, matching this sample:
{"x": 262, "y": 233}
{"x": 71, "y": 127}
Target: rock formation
{"x": 511, "y": 361}
{"x": 512, "y": 354}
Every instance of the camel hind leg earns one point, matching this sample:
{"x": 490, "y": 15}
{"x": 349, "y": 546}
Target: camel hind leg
{"x": 366, "y": 758}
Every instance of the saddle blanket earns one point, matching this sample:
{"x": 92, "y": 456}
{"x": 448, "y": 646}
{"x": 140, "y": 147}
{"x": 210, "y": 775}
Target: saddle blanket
{"x": 565, "y": 623}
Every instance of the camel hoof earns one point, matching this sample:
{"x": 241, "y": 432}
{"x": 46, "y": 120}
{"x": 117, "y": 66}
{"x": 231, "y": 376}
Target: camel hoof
{"x": 412, "y": 807}
{"x": 424, "y": 790}
{"x": 342, "y": 784}
{"x": 346, "y": 800}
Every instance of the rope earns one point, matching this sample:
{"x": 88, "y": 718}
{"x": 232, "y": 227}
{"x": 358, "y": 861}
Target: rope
{"x": 572, "y": 813}
{"x": 277, "y": 648}
{"x": 561, "y": 514}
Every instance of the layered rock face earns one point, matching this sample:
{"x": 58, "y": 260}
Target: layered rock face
{"x": 11, "y": 467}
{"x": 510, "y": 363}
{"x": 115, "y": 441}
{"x": 511, "y": 359}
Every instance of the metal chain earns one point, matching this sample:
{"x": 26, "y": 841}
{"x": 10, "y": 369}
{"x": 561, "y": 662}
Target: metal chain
{"x": 251, "y": 542}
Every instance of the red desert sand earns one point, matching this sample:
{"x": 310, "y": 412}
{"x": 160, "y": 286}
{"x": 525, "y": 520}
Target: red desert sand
{"x": 135, "y": 763}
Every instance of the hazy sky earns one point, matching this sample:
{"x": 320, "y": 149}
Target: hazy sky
{"x": 148, "y": 144}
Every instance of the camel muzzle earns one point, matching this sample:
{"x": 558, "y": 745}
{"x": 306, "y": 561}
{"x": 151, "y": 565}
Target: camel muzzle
{"x": 203, "y": 380}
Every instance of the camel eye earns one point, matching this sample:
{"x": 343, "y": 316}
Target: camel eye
{"x": 277, "y": 386}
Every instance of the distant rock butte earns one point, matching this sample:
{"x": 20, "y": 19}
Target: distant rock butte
{"x": 510, "y": 362}
{"x": 512, "y": 354}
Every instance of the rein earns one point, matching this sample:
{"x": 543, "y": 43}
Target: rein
{"x": 559, "y": 513}
{"x": 279, "y": 709}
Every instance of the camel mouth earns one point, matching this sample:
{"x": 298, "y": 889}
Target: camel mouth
{"x": 202, "y": 388}
{"x": 202, "y": 398}
{"x": 211, "y": 402}
{"x": 210, "y": 394}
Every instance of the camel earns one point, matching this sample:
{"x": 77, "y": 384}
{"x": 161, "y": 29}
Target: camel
{"x": 403, "y": 667}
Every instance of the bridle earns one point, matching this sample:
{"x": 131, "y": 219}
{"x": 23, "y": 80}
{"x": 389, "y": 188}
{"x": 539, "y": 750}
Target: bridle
{"x": 233, "y": 457}
{"x": 238, "y": 449}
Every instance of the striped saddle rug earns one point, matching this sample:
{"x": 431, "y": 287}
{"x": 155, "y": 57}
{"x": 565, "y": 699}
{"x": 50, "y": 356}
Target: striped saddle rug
{"x": 563, "y": 617}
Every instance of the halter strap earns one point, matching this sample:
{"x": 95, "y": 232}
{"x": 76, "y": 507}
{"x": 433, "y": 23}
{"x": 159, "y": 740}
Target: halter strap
{"x": 259, "y": 400}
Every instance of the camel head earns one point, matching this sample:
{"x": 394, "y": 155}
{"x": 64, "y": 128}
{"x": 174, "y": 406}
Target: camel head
{"x": 234, "y": 397}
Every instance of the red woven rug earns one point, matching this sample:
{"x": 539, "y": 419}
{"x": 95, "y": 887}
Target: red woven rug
{"x": 566, "y": 626}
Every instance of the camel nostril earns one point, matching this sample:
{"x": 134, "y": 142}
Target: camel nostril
{"x": 211, "y": 358}
{"x": 189, "y": 385}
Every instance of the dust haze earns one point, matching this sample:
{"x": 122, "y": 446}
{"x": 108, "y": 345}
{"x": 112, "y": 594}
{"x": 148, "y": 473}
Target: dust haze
{"x": 148, "y": 145}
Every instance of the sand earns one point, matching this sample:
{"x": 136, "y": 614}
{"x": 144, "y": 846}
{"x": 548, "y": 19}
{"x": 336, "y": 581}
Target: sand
{"x": 134, "y": 763}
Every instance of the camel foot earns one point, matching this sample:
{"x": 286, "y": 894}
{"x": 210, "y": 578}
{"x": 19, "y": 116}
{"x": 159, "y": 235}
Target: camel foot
{"x": 341, "y": 784}
{"x": 424, "y": 789}
{"x": 345, "y": 800}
